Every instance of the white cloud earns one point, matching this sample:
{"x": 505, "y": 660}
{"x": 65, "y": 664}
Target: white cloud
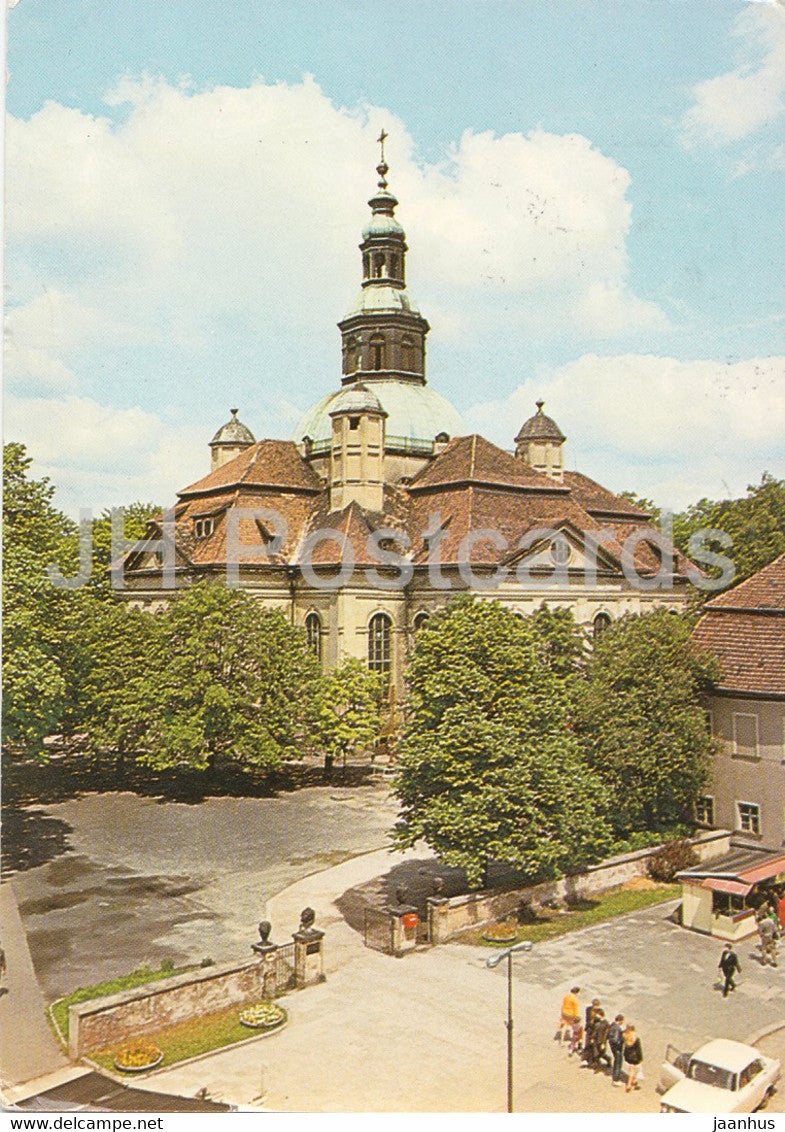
{"x": 732, "y": 106}
{"x": 98, "y": 456}
{"x": 666, "y": 428}
{"x": 232, "y": 201}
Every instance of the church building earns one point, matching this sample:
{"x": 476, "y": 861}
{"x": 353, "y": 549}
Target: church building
{"x": 380, "y": 508}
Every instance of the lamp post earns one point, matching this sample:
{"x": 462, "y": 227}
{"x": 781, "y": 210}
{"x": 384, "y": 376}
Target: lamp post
{"x": 494, "y": 961}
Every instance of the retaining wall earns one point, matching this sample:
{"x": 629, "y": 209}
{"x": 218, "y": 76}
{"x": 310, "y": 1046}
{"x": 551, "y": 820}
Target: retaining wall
{"x": 450, "y": 916}
{"x": 104, "y": 1021}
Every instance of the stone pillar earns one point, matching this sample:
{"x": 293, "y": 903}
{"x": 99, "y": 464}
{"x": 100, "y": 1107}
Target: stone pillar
{"x": 404, "y": 921}
{"x": 267, "y": 952}
{"x": 438, "y": 919}
{"x": 308, "y": 951}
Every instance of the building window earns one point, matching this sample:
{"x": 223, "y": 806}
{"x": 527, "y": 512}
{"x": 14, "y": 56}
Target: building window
{"x": 704, "y": 811}
{"x": 420, "y": 621}
{"x": 745, "y": 735}
{"x": 379, "y": 643}
{"x": 203, "y": 528}
{"x": 313, "y": 631}
{"x": 377, "y": 352}
{"x": 354, "y": 424}
{"x": 600, "y": 623}
{"x": 749, "y": 817}
{"x": 709, "y": 715}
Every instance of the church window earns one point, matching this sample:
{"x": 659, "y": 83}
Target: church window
{"x": 600, "y": 624}
{"x": 394, "y": 266}
{"x": 407, "y": 354}
{"x": 377, "y": 352}
{"x": 378, "y": 266}
{"x": 560, "y": 551}
{"x": 313, "y": 631}
{"x": 379, "y": 644}
{"x": 354, "y": 423}
{"x": 203, "y": 528}
{"x": 420, "y": 621}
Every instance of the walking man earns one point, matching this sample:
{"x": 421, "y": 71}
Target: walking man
{"x": 729, "y": 965}
{"x": 616, "y": 1046}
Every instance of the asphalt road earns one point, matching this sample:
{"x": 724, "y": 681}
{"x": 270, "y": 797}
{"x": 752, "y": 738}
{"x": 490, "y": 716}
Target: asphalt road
{"x": 133, "y": 879}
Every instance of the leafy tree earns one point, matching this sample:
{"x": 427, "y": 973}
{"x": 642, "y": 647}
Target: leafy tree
{"x": 349, "y": 712}
{"x": 35, "y": 535}
{"x": 235, "y": 682}
{"x": 756, "y": 524}
{"x": 641, "y": 720}
{"x": 135, "y": 519}
{"x": 121, "y": 660}
{"x": 489, "y": 767}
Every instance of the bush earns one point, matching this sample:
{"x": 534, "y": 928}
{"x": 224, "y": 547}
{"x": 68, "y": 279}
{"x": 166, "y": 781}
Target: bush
{"x": 672, "y": 858}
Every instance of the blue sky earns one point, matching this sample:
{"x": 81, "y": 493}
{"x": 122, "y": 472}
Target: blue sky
{"x": 592, "y": 191}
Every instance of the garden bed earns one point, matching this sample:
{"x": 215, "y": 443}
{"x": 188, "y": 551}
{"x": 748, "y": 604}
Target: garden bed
{"x": 552, "y": 922}
{"x": 190, "y": 1039}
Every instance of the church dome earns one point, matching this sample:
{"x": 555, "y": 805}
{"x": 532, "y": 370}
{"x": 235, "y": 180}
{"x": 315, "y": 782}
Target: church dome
{"x": 415, "y": 415}
{"x": 233, "y": 432}
{"x": 355, "y": 399}
{"x": 540, "y": 427}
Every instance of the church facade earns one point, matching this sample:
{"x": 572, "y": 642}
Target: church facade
{"x": 381, "y": 509}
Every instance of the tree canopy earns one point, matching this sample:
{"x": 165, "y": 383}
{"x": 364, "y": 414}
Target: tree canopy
{"x": 234, "y": 681}
{"x": 489, "y": 767}
{"x": 641, "y": 721}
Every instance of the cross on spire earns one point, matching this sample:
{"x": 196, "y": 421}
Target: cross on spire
{"x": 382, "y": 167}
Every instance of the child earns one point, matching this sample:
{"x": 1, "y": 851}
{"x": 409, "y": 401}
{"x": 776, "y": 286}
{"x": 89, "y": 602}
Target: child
{"x": 576, "y": 1037}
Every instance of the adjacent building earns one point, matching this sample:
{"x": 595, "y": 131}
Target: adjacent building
{"x": 745, "y": 628}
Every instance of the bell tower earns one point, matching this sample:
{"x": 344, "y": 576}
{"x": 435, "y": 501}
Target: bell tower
{"x": 383, "y": 337}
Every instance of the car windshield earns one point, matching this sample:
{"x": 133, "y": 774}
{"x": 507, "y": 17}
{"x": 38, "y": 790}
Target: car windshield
{"x": 712, "y": 1075}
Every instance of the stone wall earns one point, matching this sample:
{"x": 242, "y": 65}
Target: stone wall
{"x": 449, "y": 917}
{"x": 104, "y": 1021}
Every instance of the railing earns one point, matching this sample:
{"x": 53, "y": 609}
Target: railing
{"x": 402, "y": 444}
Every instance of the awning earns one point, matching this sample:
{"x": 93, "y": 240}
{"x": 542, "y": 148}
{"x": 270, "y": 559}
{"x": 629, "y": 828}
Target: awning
{"x": 724, "y": 884}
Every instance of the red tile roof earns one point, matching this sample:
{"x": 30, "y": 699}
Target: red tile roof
{"x": 474, "y": 460}
{"x": 270, "y": 463}
{"x": 745, "y": 629}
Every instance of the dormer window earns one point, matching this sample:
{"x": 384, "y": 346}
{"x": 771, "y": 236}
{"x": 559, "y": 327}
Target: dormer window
{"x": 203, "y": 528}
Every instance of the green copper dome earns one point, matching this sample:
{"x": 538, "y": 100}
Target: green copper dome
{"x": 415, "y": 415}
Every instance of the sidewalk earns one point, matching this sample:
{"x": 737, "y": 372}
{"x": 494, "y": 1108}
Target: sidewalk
{"x": 28, "y": 1048}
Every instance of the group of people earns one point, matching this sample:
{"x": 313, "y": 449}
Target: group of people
{"x": 770, "y": 927}
{"x": 598, "y": 1041}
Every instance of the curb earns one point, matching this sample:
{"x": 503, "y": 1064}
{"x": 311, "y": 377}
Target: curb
{"x": 766, "y": 1032}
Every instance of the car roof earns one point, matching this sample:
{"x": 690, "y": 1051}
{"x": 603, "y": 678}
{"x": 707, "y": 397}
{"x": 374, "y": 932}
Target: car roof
{"x": 726, "y": 1054}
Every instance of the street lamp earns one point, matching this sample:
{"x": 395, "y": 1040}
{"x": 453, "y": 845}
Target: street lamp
{"x": 494, "y": 961}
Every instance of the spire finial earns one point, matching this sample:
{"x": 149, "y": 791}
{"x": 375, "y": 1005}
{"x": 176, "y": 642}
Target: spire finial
{"x": 540, "y": 405}
{"x": 382, "y": 168}
{"x": 234, "y": 412}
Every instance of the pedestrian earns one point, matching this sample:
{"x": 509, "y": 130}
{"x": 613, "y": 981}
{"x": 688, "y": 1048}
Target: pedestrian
{"x": 599, "y": 1040}
{"x": 781, "y": 910}
{"x": 570, "y": 1013}
{"x": 633, "y": 1057}
{"x": 729, "y": 965}
{"x": 767, "y": 930}
{"x": 576, "y": 1037}
{"x": 616, "y": 1044}
{"x": 588, "y": 1026}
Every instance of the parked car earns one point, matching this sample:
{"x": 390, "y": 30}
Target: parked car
{"x": 722, "y": 1076}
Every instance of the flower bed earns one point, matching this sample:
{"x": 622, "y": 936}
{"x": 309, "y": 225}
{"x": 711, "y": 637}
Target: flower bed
{"x": 500, "y": 933}
{"x": 263, "y": 1016}
{"x": 138, "y": 1057}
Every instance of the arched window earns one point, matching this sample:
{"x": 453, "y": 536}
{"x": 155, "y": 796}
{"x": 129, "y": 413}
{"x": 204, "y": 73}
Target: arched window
{"x": 407, "y": 354}
{"x": 377, "y": 352}
{"x": 379, "y": 643}
{"x": 420, "y": 621}
{"x": 600, "y": 624}
{"x": 313, "y": 630}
